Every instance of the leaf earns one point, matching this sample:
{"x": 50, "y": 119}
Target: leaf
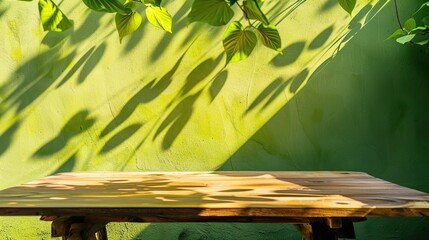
{"x": 425, "y": 20}
{"x": 270, "y": 37}
{"x": 127, "y": 24}
{"x": 238, "y": 42}
{"x": 231, "y": 2}
{"x": 253, "y": 11}
{"x": 423, "y": 42}
{"x": 153, "y": 2}
{"x": 426, "y": 4}
{"x": 347, "y": 5}
{"x": 410, "y": 24}
{"x": 159, "y": 17}
{"x": 213, "y": 12}
{"x": 418, "y": 29}
{"x": 111, "y": 6}
{"x": 53, "y": 19}
{"x": 405, "y": 39}
{"x": 395, "y": 34}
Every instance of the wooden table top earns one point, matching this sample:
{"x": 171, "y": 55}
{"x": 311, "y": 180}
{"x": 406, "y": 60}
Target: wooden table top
{"x": 228, "y": 194}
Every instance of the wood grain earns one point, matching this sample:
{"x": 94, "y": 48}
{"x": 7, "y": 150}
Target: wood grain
{"x": 198, "y": 195}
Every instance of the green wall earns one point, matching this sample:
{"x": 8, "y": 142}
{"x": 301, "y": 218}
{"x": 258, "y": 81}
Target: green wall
{"x": 340, "y": 98}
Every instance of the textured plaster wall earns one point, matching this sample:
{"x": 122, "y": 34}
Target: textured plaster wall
{"x": 80, "y": 101}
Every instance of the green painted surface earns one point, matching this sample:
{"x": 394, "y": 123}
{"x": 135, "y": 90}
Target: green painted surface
{"x": 79, "y": 101}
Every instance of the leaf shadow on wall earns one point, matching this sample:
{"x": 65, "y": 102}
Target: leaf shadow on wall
{"x": 177, "y": 119}
{"x": 120, "y": 137}
{"x": 2, "y": 10}
{"x": 76, "y": 67}
{"x": 33, "y": 78}
{"x": 67, "y": 166}
{"x": 7, "y": 136}
{"x": 291, "y": 54}
{"x": 91, "y": 62}
{"x": 145, "y": 95}
{"x": 75, "y": 126}
{"x": 89, "y": 26}
{"x": 281, "y": 11}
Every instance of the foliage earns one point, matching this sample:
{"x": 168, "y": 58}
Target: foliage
{"x": 239, "y": 40}
{"x": 414, "y": 32}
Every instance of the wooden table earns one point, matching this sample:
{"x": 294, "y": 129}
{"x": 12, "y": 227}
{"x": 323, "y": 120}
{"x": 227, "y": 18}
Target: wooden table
{"x": 322, "y": 205}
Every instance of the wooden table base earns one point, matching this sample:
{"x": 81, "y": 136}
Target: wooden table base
{"x": 94, "y": 228}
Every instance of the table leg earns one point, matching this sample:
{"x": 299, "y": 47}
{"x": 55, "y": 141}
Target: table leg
{"x": 87, "y": 231}
{"x": 326, "y": 229}
{"x": 76, "y": 228}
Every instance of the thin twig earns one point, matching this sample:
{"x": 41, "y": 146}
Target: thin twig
{"x": 245, "y": 14}
{"x": 397, "y": 14}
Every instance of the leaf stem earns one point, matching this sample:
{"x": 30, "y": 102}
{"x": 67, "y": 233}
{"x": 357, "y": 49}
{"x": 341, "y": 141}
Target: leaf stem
{"x": 397, "y": 14}
{"x": 245, "y": 14}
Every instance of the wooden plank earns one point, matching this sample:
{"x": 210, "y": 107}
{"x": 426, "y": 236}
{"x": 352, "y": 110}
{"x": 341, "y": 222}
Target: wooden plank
{"x": 315, "y": 194}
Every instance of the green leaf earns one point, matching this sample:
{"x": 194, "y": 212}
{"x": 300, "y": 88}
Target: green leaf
{"x": 253, "y": 11}
{"x": 53, "y": 19}
{"x": 425, "y": 20}
{"x": 213, "y": 12}
{"x": 418, "y": 30}
{"x": 410, "y": 24}
{"x": 395, "y": 34}
{"x": 347, "y": 5}
{"x": 127, "y": 24}
{"x": 111, "y": 6}
{"x": 231, "y": 2}
{"x": 238, "y": 42}
{"x": 405, "y": 39}
{"x": 159, "y": 17}
{"x": 426, "y": 4}
{"x": 153, "y": 2}
{"x": 423, "y": 42}
{"x": 270, "y": 37}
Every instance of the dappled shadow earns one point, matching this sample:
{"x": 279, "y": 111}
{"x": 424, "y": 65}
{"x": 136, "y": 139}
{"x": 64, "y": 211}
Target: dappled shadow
{"x": 217, "y": 84}
{"x": 374, "y": 10}
{"x": 299, "y": 80}
{"x": 67, "y": 166}
{"x": 91, "y": 62}
{"x": 290, "y": 54}
{"x": 76, "y": 67}
{"x": 321, "y": 39}
{"x": 265, "y": 93}
{"x": 199, "y": 74}
{"x": 163, "y": 44}
{"x": 33, "y": 78}
{"x": 53, "y": 39}
{"x": 328, "y": 5}
{"x": 2, "y": 10}
{"x": 281, "y": 12}
{"x": 146, "y": 94}
{"x": 161, "y": 197}
{"x": 355, "y": 25}
{"x": 176, "y": 120}
{"x": 89, "y": 26}
{"x": 120, "y": 137}
{"x": 277, "y": 87}
{"x": 77, "y": 125}
{"x": 6, "y": 137}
